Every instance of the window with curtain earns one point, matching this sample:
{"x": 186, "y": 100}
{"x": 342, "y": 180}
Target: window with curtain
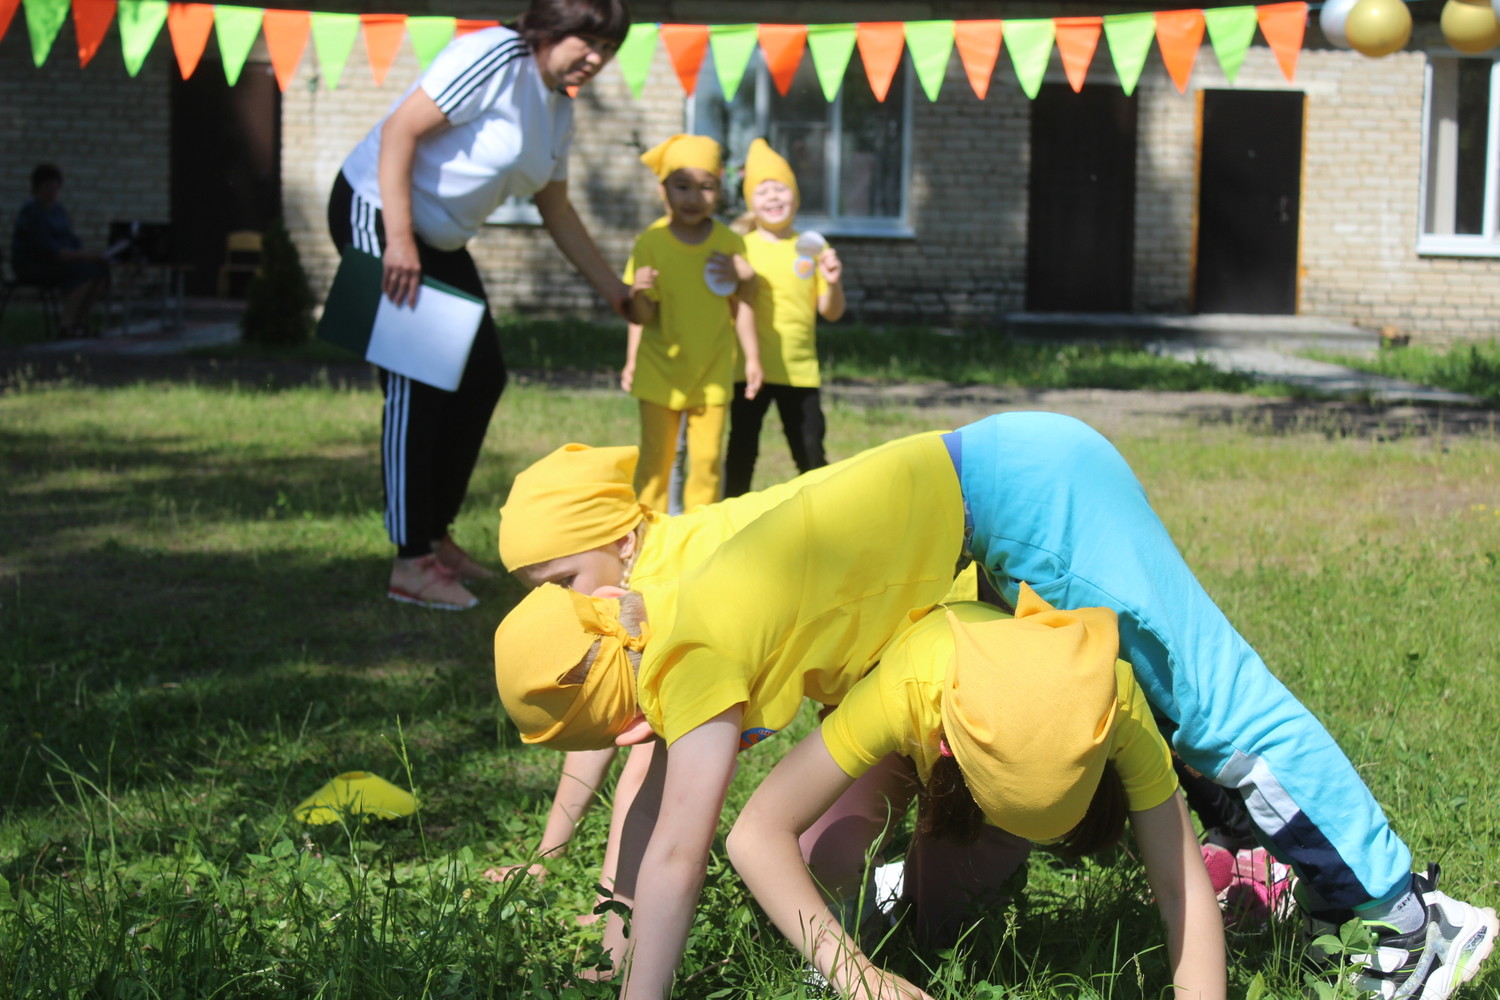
{"x": 1460, "y": 164}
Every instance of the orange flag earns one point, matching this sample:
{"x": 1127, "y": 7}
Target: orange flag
{"x": 978, "y": 45}
{"x": 465, "y": 25}
{"x": 1077, "y": 38}
{"x": 286, "y": 34}
{"x": 687, "y": 44}
{"x": 383, "y": 34}
{"x": 189, "y": 25}
{"x": 8, "y": 10}
{"x": 90, "y": 23}
{"x": 880, "y": 44}
{"x": 1284, "y": 24}
{"x": 1179, "y": 33}
{"x": 782, "y": 45}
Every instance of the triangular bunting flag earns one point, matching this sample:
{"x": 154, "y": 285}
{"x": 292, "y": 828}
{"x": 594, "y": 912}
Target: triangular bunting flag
{"x": 1231, "y": 30}
{"x": 7, "y": 12}
{"x": 1129, "y": 43}
{"x": 978, "y": 45}
{"x": 286, "y": 34}
{"x": 382, "y": 38}
{"x": 429, "y": 35}
{"x": 140, "y": 23}
{"x": 91, "y": 19}
{"x": 236, "y": 28}
{"x": 189, "y": 25}
{"x": 333, "y": 40}
{"x": 930, "y": 44}
{"x": 44, "y": 19}
{"x": 1179, "y": 33}
{"x": 1029, "y": 42}
{"x": 634, "y": 56}
{"x": 1283, "y": 24}
{"x": 467, "y": 25}
{"x": 686, "y": 45}
{"x": 831, "y": 46}
{"x": 782, "y": 45}
{"x": 880, "y": 44}
{"x": 1077, "y": 38}
{"x": 733, "y": 45}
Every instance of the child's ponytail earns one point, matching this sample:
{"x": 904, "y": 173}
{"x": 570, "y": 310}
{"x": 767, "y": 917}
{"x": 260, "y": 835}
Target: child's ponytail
{"x": 947, "y": 810}
{"x": 1103, "y": 823}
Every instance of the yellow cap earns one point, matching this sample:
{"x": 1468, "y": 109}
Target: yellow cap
{"x": 680, "y": 151}
{"x": 540, "y": 642}
{"x": 576, "y": 499}
{"x": 1029, "y": 708}
{"x": 762, "y": 163}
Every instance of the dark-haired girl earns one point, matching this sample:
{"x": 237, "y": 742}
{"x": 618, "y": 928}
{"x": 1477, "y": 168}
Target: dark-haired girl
{"x": 491, "y": 118}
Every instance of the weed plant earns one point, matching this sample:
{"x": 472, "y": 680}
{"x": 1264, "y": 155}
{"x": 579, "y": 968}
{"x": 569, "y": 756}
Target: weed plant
{"x": 193, "y": 638}
{"x": 1468, "y": 368}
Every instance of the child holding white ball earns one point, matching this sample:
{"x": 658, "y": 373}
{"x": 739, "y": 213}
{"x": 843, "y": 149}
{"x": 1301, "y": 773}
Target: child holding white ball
{"x": 798, "y": 279}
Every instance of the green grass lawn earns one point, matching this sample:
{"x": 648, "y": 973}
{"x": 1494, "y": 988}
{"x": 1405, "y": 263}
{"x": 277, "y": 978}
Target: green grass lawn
{"x": 193, "y": 638}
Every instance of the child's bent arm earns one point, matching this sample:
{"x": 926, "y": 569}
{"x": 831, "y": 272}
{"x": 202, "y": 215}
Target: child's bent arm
{"x": 744, "y": 332}
{"x": 695, "y": 778}
{"x": 831, "y": 302}
{"x": 1195, "y": 930}
{"x": 763, "y": 847}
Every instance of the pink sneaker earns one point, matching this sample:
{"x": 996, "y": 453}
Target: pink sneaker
{"x": 1220, "y": 864}
{"x": 1259, "y": 889}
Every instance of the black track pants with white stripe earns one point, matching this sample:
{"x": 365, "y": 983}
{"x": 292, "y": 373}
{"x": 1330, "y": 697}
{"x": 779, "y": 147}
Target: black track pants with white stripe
{"x": 430, "y": 438}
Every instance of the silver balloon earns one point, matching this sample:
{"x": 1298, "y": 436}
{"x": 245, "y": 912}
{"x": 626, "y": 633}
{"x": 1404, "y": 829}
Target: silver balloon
{"x": 1332, "y": 17}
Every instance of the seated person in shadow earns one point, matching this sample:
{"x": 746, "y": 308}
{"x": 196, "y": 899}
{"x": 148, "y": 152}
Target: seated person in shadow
{"x": 45, "y": 251}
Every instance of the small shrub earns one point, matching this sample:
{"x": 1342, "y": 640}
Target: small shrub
{"x": 278, "y": 304}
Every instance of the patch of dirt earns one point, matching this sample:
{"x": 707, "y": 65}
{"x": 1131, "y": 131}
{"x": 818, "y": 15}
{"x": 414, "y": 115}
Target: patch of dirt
{"x": 1113, "y": 411}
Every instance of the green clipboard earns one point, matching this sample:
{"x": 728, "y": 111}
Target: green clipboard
{"x": 349, "y": 312}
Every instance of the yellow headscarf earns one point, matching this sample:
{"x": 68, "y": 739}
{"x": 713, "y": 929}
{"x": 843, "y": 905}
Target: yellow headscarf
{"x": 540, "y": 642}
{"x": 680, "y": 151}
{"x": 576, "y": 499}
{"x": 1029, "y": 708}
{"x": 762, "y": 163}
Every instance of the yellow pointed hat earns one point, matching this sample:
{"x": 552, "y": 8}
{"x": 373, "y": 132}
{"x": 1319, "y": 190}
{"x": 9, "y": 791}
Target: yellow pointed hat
{"x": 762, "y": 163}
{"x": 680, "y": 151}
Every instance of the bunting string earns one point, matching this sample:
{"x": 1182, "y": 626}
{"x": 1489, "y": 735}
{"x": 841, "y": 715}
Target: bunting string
{"x": 1178, "y": 35}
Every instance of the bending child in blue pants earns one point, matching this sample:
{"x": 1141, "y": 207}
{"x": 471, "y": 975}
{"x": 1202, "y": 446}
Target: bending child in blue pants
{"x": 1050, "y": 502}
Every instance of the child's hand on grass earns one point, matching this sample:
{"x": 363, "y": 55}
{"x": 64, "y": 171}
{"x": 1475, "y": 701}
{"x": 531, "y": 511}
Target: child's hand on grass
{"x": 499, "y": 873}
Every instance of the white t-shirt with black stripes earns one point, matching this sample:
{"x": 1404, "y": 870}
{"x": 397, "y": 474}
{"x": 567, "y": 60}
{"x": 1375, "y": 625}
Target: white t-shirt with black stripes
{"x": 509, "y": 137}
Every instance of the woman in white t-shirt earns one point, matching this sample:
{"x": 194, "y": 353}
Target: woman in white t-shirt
{"x": 490, "y": 119}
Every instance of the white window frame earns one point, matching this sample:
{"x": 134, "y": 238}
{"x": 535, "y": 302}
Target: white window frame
{"x": 887, "y": 227}
{"x": 1486, "y": 243}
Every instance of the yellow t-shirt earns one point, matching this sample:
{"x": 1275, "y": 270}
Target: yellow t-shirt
{"x": 802, "y": 601}
{"x": 897, "y": 709}
{"x": 688, "y": 350}
{"x": 786, "y": 310}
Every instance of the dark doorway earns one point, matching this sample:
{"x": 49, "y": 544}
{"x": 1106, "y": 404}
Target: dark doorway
{"x": 1080, "y": 233}
{"x": 1249, "y": 201}
{"x": 226, "y": 164}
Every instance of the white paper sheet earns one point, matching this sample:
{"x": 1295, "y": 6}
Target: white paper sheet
{"x": 428, "y": 342}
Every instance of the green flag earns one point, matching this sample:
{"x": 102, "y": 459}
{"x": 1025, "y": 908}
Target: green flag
{"x": 140, "y": 22}
{"x": 635, "y": 54}
{"x": 428, "y": 36}
{"x": 930, "y": 44}
{"x": 1029, "y": 42}
{"x": 1129, "y": 37}
{"x": 1231, "y": 29}
{"x": 831, "y": 46}
{"x": 334, "y": 36}
{"x": 44, "y": 19}
{"x": 732, "y": 45}
{"x": 236, "y": 28}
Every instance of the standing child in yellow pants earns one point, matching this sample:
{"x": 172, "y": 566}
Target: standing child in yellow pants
{"x": 683, "y": 275}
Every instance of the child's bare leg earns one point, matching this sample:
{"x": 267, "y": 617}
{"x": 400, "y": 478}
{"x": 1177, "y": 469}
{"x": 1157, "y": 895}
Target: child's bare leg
{"x": 582, "y": 776}
{"x": 834, "y": 847}
{"x": 632, "y": 776}
{"x": 636, "y": 826}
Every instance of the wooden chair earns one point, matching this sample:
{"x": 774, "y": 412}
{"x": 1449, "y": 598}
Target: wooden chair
{"x": 241, "y": 256}
{"x": 50, "y": 297}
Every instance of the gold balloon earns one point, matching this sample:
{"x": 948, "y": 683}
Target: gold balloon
{"x": 1378, "y": 27}
{"x": 1470, "y": 27}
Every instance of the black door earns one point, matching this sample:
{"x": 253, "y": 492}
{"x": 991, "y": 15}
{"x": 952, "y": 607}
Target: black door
{"x": 226, "y": 164}
{"x": 1080, "y": 233}
{"x": 1249, "y": 201}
